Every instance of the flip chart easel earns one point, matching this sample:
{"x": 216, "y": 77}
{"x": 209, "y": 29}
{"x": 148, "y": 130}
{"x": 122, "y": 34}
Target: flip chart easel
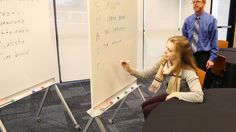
{"x": 112, "y": 37}
{"x": 28, "y": 51}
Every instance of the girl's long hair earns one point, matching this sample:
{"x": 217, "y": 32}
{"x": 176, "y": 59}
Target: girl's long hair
{"x": 184, "y": 54}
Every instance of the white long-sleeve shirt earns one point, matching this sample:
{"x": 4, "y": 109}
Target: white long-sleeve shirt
{"x": 190, "y": 87}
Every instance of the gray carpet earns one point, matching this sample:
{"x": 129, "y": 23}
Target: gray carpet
{"x": 21, "y": 115}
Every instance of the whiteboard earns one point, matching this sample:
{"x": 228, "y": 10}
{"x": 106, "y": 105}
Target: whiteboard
{"x": 27, "y": 49}
{"x": 112, "y": 37}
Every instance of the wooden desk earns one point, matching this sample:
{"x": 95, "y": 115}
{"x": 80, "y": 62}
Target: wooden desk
{"x": 216, "y": 114}
{"x": 230, "y": 73}
{"x": 229, "y": 53}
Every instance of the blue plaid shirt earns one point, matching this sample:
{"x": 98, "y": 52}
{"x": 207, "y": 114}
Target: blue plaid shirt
{"x": 208, "y": 34}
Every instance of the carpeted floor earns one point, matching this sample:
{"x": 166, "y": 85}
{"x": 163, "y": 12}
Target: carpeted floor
{"x": 21, "y": 115}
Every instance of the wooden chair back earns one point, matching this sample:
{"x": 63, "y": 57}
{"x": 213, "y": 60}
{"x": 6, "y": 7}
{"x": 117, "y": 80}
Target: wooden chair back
{"x": 201, "y": 75}
{"x": 223, "y": 44}
{"x": 219, "y": 66}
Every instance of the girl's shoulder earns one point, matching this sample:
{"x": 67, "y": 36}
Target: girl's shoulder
{"x": 188, "y": 72}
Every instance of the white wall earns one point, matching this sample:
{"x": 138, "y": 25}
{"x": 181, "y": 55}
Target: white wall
{"x": 161, "y": 22}
{"x": 140, "y": 35}
{"x": 73, "y": 39}
{"x": 220, "y": 9}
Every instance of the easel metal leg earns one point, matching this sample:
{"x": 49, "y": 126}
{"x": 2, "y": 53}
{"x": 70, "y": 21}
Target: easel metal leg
{"x": 42, "y": 103}
{"x": 113, "y": 116}
{"x": 98, "y": 121}
{"x": 141, "y": 94}
{"x": 88, "y": 124}
{"x": 77, "y": 126}
{"x": 101, "y": 126}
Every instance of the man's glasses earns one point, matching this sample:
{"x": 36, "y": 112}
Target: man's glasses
{"x": 197, "y": 2}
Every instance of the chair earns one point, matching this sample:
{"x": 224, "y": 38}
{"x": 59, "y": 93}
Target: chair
{"x": 223, "y": 44}
{"x": 219, "y": 66}
{"x": 218, "y": 71}
{"x": 201, "y": 75}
